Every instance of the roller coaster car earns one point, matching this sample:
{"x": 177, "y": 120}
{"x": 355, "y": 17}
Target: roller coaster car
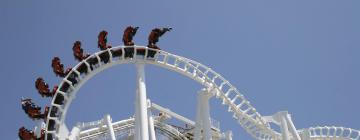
{"x": 82, "y": 68}
{"x": 92, "y": 61}
{"x": 104, "y": 56}
{"x": 73, "y": 78}
{"x": 58, "y": 68}
{"x": 116, "y": 53}
{"x": 79, "y": 52}
{"x": 32, "y": 110}
{"x": 43, "y": 88}
{"x": 129, "y": 52}
{"x": 102, "y": 40}
{"x": 152, "y": 52}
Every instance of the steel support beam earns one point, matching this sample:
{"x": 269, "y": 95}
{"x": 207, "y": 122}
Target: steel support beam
{"x": 283, "y": 119}
{"x": 198, "y": 123}
{"x": 142, "y": 117}
{"x": 203, "y": 120}
{"x": 151, "y": 123}
{"x": 284, "y": 128}
{"x": 292, "y": 127}
{"x": 107, "y": 118}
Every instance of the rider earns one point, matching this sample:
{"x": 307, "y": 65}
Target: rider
{"x": 79, "y": 52}
{"x": 153, "y": 38}
{"x": 43, "y": 88}
{"x": 128, "y": 35}
{"x": 102, "y": 40}
{"x": 32, "y": 110}
{"x": 58, "y": 68}
{"x": 25, "y": 134}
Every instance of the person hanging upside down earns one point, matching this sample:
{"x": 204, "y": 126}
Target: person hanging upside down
{"x": 43, "y": 88}
{"x": 153, "y": 38}
{"x": 25, "y": 134}
{"x": 128, "y": 35}
{"x": 32, "y": 110}
{"x": 78, "y": 52}
{"x": 102, "y": 40}
{"x": 102, "y": 44}
{"x": 58, "y": 68}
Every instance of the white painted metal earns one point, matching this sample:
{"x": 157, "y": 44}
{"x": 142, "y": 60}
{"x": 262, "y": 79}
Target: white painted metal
{"x": 173, "y": 114}
{"x": 74, "y": 134}
{"x": 137, "y": 133}
{"x": 142, "y": 102}
{"x": 207, "y": 122}
{"x": 203, "y": 120}
{"x": 108, "y": 120}
{"x": 205, "y": 96}
{"x": 283, "y": 119}
{"x": 284, "y": 128}
{"x": 126, "y": 126}
{"x": 244, "y": 113}
{"x": 292, "y": 127}
{"x": 151, "y": 123}
{"x": 330, "y": 132}
{"x": 191, "y": 71}
{"x": 199, "y": 123}
{"x": 228, "y": 135}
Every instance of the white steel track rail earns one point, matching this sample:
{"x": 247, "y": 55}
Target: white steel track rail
{"x": 330, "y": 132}
{"x": 127, "y": 125}
{"x": 245, "y": 114}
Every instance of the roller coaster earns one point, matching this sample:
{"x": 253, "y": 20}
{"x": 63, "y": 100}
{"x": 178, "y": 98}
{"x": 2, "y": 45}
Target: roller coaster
{"x": 150, "y": 119}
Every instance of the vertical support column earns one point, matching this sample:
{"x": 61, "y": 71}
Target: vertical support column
{"x": 203, "y": 121}
{"x": 137, "y": 133}
{"x": 206, "y": 115}
{"x": 199, "y": 123}
{"x": 142, "y": 103}
{"x": 110, "y": 127}
{"x": 151, "y": 124}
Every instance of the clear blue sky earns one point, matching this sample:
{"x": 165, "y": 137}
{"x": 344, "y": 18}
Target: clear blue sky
{"x": 300, "y": 56}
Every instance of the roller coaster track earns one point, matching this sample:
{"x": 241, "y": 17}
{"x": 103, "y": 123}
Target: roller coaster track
{"x": 126, "y": 127}
{"x": 331, "y": 132}
{"x": 244, "y": 113}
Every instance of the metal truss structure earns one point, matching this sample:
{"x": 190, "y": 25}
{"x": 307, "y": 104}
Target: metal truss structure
{"x": 144, "y": 124}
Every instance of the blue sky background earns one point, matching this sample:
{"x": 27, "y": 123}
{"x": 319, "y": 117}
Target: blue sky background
{"x": 300, "y": 56}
